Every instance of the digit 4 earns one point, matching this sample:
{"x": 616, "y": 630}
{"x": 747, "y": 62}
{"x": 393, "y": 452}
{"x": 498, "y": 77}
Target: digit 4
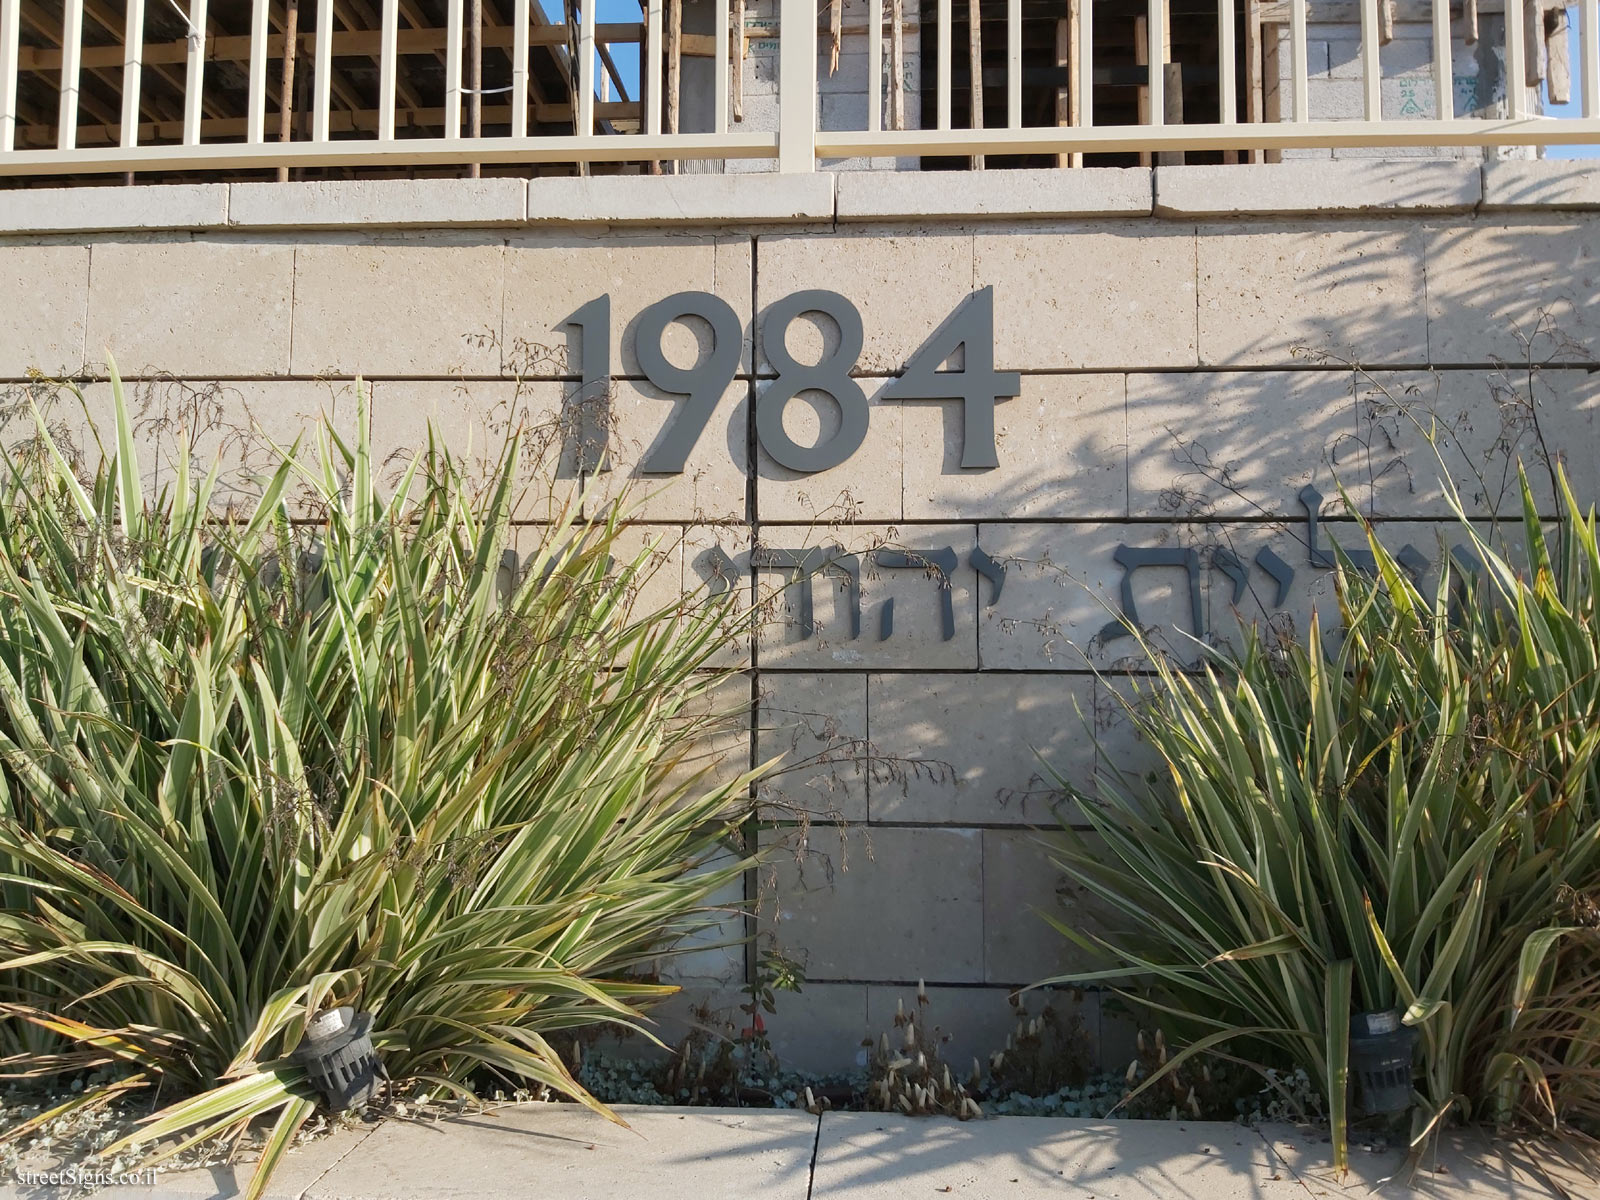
{"x": 977, "y": 385}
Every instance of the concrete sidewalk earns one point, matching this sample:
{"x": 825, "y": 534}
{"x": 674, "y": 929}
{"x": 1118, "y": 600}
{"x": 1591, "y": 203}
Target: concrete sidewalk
{"x": 564, "y": 1152}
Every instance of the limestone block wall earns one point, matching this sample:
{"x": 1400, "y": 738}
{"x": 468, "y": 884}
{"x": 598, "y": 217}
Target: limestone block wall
{"x": 1199, "y": 371}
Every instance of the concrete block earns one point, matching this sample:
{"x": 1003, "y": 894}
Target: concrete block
{"x": 550, "y": 276}
{"x": 965, "y": 195}
{"x": 1063, "y": 591}
{"x": 1541, "y": 184}
{"x": 485, "y": 1156}
{"x": 881, "y": 903}
{"x": 1117, "y": 296}
{"x": 1481, "y": 424}
{"x": 818, "y": 721}
{"x": 1021, "y": 886}
{"x": 850, "y": 492}
{"x": 429, "y": 308}
{"x": 679, "y": 199}
{"x": 1261, "y": 189}
{"x": 1402, "y": 56}
{"x": 654, "y": 556}
{"x": 91, "y": 209}
{"x": 1125, "y": 762}
{"x": 883, "y": 1156}
{"x": 711, "y": 486}
{"x": 1061, "y": 445}
{"x": 1514, "y": 289}
{"x": 916, "y": 596}
{"x": 967, "y": 749}
{"x": 192, "y": 308}
{"x": 1240, "y": 444}
{"x": 45, "y": 327}
{"x": 1404, "y": 97}
{"x": 377, "y": 203}
{"x": 968, "y": 1023}
{"x": 877, "y": 272}
{"x": 1352, "y": 291}
{"x": 473, "y": 421}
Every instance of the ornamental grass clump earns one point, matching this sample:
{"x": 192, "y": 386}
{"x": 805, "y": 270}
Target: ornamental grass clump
{"x": 1400, "y": 815}
{"x": 253, "y": 769}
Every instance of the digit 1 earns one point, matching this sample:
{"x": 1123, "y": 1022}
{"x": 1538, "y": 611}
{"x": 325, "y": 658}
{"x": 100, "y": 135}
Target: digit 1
{"x": 703, "y": 384}
{"x": 593, "y": 397}
{"x": 977, "y": 385}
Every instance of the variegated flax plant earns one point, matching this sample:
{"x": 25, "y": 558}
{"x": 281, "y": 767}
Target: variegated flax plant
{"x": 253, "y": 768}
{"x": 1401, "y": 814}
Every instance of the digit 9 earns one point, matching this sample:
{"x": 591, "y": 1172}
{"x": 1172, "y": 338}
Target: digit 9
{"x": 703, "y": 384}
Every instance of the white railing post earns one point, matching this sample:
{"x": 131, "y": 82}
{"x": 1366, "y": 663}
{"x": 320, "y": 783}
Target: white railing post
{"x": 650, "y": 73}
{"x": 1085, "y": 80}
{"x": 583, "y": 71}
{"x": 719, "y": 70}
{"x": 71, "y": 75}
{"x": 256, "y": 122}
{"x": 797, "y": 86}
{"x": 1589, "y": 55}
{"x": 1371, "y": 69}
{"x": 874, "y": 66}
{"x": 454, "y": 17}
{"x": 10, "y": 47}
{"x": 389, "y": 69}
{"x": 322, "y": 79}
{"x": 132, "y": 69}
{"x": 1228, "y": 64}
{"x": 1156, "y": 53}
{"x": 946, "y": 20}
{"x": 1444, "y": 75}
{"x": 1516, "y": 61}
{"x": 1297, "y": 57}
{"x": 194, "y": 82}
{"x": 519, "y": 70}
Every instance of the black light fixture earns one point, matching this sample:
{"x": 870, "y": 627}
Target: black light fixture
{"x": 339, "y": 1059}
{"x": 1381, "y": 1048}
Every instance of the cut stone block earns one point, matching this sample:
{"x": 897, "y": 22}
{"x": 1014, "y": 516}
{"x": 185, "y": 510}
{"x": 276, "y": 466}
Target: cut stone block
{"x": 113, "y": 207}
{"x": 473, "y": 422}
{"x": 819, "y": 721}
{"x": 377, "y": 203}
{"x": 428, "y": 307}
{"x": 711, "y": 486}
{"x": 880, "y": 903}
{"x": 1116, "y": 296}
{"x": 972, "y": 1023}
{"x": 914, "y": 592}
{"x": 966, "y": 749}
{"x": 1239, "y": 444}
{"x": 873, "y": 270}
{"x": 1021, "y": 885}
{"x": 1062, "y": 595}
{"x": 1514, "y": 290}
{"x": 1547, "y": 183}
{"x": 1268, "y": 295}
{"x": 865, "y": 487}
{"x": 1258, "y": 189}
{"x": 193, "y": 309}
{"x": 1061, "y": 445}
{"x": 1481, "y": 424}
{"x": 966, "y": 196}
{"x": 549, "y": 277}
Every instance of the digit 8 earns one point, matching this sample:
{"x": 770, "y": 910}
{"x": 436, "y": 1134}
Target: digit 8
{"x": 830, "y": 376}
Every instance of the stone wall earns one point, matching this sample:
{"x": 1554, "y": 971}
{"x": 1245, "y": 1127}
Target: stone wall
{"x": 1186, "y": 345}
